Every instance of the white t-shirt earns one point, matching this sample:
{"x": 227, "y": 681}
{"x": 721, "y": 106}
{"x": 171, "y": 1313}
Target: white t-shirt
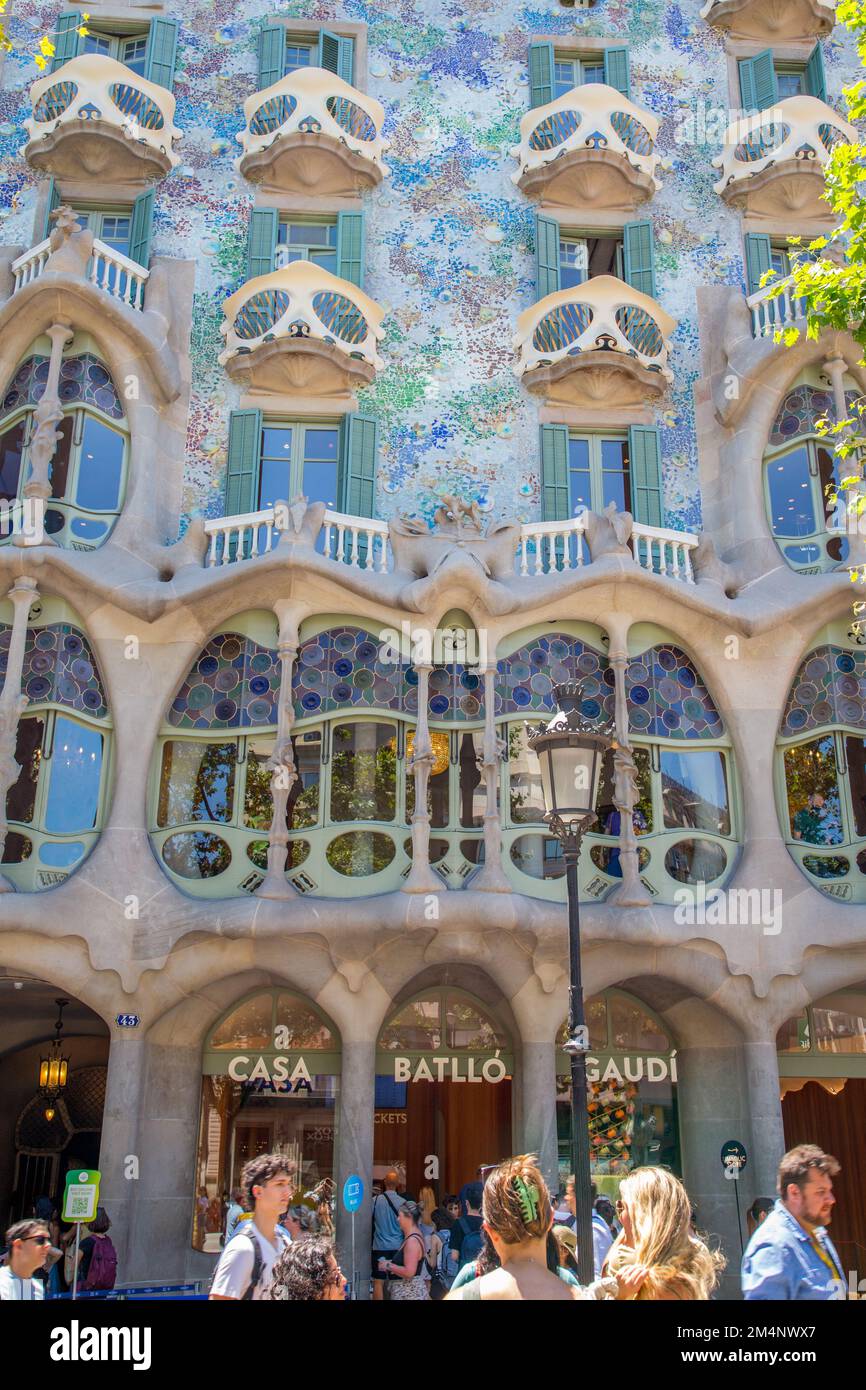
{"x": 12, "y": 1287}
{"x": 235, "y": 1267}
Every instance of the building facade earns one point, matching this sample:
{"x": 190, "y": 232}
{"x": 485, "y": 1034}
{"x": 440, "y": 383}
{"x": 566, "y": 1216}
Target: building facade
{"x": 373, "y": 371}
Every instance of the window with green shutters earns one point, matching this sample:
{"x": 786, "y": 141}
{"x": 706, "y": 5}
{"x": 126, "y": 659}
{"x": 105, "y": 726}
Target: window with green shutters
{"x": 639, "y": 257}
{"x": 161, "y": 52}
{"x": 766, "y": 80}
{"x": 262, "y": 241}
{"x": 66, "y": 38}
{"x": 53, "y": 202}
{"x": 566, "y": 257}
{"x": 150, "y": 52}
{"x": 758, "y": 87}
{"x": 555, "y": 503}
{"x": 554, "y": 71}
{"x": 281, "y": 51}
{"x": 272, "y": 459}
{"x": 540, "y": 74}
{"x": 358, "y": 461}
{"x": 644, "y": 447}
{"x": 759, "y": 259}
{"x": 335, "y": 243}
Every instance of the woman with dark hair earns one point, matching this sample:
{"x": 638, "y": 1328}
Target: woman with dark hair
{"x": 407, "y": 1278}
{"x": 97, "y": 1257}
{"x": 307, "y": 1272}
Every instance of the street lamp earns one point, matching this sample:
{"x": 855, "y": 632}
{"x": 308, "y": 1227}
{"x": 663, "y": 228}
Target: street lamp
{"x": 570, "y": 750}
{"x": 54, "y": 1068}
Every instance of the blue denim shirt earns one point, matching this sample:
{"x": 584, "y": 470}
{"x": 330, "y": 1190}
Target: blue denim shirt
{"x": 780, "y": 1262}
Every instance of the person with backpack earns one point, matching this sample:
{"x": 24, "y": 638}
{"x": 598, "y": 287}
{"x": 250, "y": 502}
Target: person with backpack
{"x": 387, "y": 1234}
{"x": 467, "y": 1241}
{"x": 246, "y": 1265}
{"x": 439, "y": 1256}
{"x": 97, "y": 1257}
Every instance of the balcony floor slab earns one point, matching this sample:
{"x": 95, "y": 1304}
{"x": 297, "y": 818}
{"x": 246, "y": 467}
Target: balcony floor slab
{"x": 305, "y": 163}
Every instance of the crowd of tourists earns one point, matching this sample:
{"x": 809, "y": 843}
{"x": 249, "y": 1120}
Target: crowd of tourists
{"x": 504, "y": 1236}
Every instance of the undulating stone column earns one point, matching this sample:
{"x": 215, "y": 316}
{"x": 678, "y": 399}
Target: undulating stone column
{"x": 630, "y": 892}
{"x": 119, "y": 1158}
{"x": 284, "y": 774}
{"x": 353, "y": 1154}
{"x": 13, "y": 701}
{"x": 855, "y": 521}
{"x": 421, "y": 878}
{"x": 492, "y": 877}
{"x": 765, "y": 1114}
{"x": 47, "y": 415}
{"x": 168, "y": 1129}
{"x": 538, "y": 1092}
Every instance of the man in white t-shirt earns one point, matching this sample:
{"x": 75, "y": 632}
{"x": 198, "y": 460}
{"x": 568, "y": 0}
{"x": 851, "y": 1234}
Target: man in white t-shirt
{"x": 29, "y": 1245}
{"x": 246, "y": 1264}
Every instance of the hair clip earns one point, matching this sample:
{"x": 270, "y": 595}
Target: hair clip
{"x": 528, "y": 1196}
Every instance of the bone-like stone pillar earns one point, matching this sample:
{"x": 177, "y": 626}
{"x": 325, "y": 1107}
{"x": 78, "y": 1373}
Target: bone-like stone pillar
{"x": 491, "y": 878}
{"x": 354, "y": 1155}
{"x": 421, "y": 878}
{"x": 119, "y": 1158}
{"x": 12, "y": 700}
{"x": 630, "y": 892}
{"x": 284, "y": 774}
{"x": 47, "y": 415}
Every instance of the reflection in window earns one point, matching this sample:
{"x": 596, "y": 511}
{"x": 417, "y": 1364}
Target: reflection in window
{"x": 417, "y": 1027}
{"x": 100, "y": 468}
{"x": 248, "y": 1026}
{"x": 76, "y": 771}
{"x": 359, "y": 853}
{"x": 632, "y": 1029}
{"x": 794, "y": 1035}
{"x": 11, "y": 451}
{"x": 473, "y": 798}
{"x": 814, "y": 808}
{"x": 540, "y": 856}
{"x": 839, "y": 1032}
{"x": 695, "y": 791}
{"x": 307, "y": 1031}
{"x": 421, "y": 1027}
{"x": 302, "y": 810}
{"x": 21, "y": 796}
{"x": 196, "y": 782}
{"x": 467, "y": 1027}
{"x": 364, "y": 772}
{"x": 609, "y": 819}
{"x": 525, "y": 796}
{"x": 855, "y": 755}
{"x": 438, "y": 781}
{"x": 196, "y": 854}
{"x": 695, "y": 861}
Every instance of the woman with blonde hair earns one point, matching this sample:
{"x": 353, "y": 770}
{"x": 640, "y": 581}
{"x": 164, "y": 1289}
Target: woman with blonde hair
{"x": 655, "y": 1212}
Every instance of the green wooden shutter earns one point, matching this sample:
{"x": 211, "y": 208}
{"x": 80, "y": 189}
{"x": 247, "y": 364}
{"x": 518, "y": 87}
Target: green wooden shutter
{"x": 616, "y": 70}
{"x": 350, "y": 247}
{"x": 142, "y": 228}
{"x": 759, "y": 259}
{"x": 645, "y": 456}
{"x": 759, "y": 89}
{"x": 639, "y": 256}
{"x": 540, "y": 74}
{"x": 262, "y": 241}
{"x": 555, "y": 498}
{"x": 272, "y": 55}
{"x": 357, "y": 480}
{"x": 50, "y": 206}
{"x": 816, "y": 79}
{"x": 67, "y": 40}
{"x": 242, "y": 477}
{"x": 337, "y": 54}
{"x": 546, "y": 256}
{"x": 161, "y": 52}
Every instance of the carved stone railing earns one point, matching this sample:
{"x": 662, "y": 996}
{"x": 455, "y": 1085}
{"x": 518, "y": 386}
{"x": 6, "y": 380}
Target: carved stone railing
{"x": 313, "y": 132}
{"x": 604, "y": 327}
{"x": 95, "y": 116}
{"x": 774, "y": 21}
{"x": 544, "y": 547}
{"x": 773, "y": 162}
{"x": 302, "y": 312}
{"x": 591, "y": 147}
{"x": 770, "y": 312}
{"x": 107, "y": 269}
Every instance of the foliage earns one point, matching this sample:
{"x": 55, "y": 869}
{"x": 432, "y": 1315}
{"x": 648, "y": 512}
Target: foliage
{"x": 45, "y": 47}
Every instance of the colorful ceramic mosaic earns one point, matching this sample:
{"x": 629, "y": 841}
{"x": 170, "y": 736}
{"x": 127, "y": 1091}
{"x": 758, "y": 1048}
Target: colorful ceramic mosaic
{"x": 829, "y": 689}
{"x": 59, "y": 669}
{"x": 83, "y": 380}
{"x": 234, "y": 685}
{"x": 450, "y": 251}
{"x": 801, "y": 410}
{"x": 668, "y": 699}
{"x": 525, "y": 680}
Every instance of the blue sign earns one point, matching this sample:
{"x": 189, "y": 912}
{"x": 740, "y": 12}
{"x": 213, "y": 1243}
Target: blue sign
{"x": 353, "y": 1192}
{"x": 127, "y": 1020}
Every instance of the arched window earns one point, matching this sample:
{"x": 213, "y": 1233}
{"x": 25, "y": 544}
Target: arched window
{"x": 89, "y": 466}
{"x": 56, "y": 807}
{"x": 821, "y": 769}
{"x": 801, "y": 478}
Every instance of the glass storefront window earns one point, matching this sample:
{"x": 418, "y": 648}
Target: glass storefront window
{"x": 632, "y": 1029}
{"x": 811, "y": 780}
{"x": 21, "y": 796}
{"x": 417, "y": 1027}
{"x": 248, "y": 1026}
{"x": 364, "y": 772}
{"x": 438, "y": 781}
{"x": 794, "y": 1035}
{"x": 467, "y": 1027}
{"x": 695, "y": 791}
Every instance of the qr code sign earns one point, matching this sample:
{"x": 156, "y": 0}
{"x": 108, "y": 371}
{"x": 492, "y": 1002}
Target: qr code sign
{"x": 80, "y": 1202}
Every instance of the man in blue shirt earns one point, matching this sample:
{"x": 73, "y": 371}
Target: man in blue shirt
{"x": 790, "y": 1256}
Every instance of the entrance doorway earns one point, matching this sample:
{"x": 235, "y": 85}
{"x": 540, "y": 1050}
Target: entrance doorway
{"x": 443, "y": 1092}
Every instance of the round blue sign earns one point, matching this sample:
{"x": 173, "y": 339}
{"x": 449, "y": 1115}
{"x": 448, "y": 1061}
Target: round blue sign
{"x": 353, "y": 1192}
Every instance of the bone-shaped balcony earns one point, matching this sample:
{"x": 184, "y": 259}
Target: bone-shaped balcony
{"x": 301, "y": 329}
{"x": 601, "y": 343}
{"x": 96, "y": 117}
{"x": 773, "y": 21}
{"x": 773, "y": 163}
{"x": 591, "y": 147}
{"x": 311, "y": 132}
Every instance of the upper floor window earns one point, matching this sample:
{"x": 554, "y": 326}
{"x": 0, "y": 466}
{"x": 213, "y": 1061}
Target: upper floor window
{"x": 571, "y": 72}
{"x": 553, "y": 71}
{"x": 303, "y": 239}
{"x": 766, "y": 80}
{"x": 148, "y": 50}
{"x": 583, "y": 471}
{"x": 568, "y": 255}
{"x": 335, "y": 243}
{"x": 298, "y": 458}
{"x": 598, "y": 472}
{"x": 282, "y": 51}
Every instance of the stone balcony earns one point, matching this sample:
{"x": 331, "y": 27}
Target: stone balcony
{"x": 95, "y": 117}
{"x": 107, "y": 269}
{"x": 591, "y": 147}
{"x": 773, "y": 21}
{"x": 601, "y": 343}
{"x": 773, "y": 163}
{"x": 771, "y": 313}
{"x": 301, "y": 329}
{"x": 311, "y": 132}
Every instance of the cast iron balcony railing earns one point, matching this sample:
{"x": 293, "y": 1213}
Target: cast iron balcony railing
{"x": 311, "y": 132}
{"x": 599, "y": 343}
{"x": 544, "y": 547}
{"x": 301, "y": 328}
{"x": 591, "y": 147}
{"x": 774, "y": 21}
{"x": 773, "y": 162}
{"x": 95, "y": 116}
{"x": 107, "y": 269}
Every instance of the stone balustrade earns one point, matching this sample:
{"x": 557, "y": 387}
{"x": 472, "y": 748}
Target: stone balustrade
{"x": 107, "y": 269}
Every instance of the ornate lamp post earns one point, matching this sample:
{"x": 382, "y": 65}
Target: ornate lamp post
{"x": 54, "y": 1068}
{"x": 570, "y": 751}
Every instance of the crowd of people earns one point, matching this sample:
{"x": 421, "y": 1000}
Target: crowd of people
{"x": 504, "y": 1236}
